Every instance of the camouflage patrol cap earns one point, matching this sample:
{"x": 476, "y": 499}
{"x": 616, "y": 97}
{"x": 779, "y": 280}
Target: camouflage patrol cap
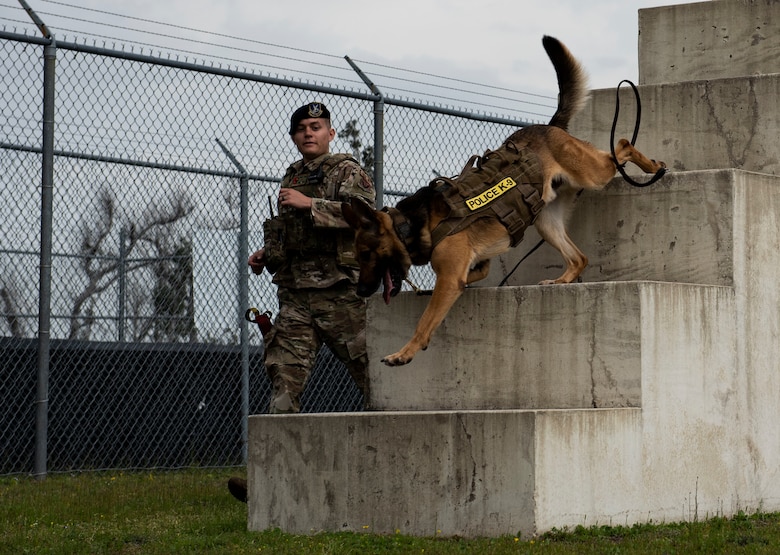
{"x": 311, "y": 110}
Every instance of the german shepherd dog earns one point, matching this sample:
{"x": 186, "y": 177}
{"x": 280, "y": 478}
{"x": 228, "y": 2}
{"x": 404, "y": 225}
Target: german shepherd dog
{"x": 567, "y": 164}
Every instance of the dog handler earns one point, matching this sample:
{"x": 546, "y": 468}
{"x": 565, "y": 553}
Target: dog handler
{"x": 309, "y": 249}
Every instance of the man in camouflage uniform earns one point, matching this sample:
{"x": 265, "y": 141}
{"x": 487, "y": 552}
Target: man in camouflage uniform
{"x": 309, "y": 249}
{"x": 313, "y": 262}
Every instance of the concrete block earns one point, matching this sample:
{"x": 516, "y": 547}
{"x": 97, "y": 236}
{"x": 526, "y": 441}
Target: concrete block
{"x": 703, "y": 442}
{"x": 568, "y": 346}
{"x": 677, "y": 230}
{"x": 488, "y": 473}
{"x": 756, "y": 260}
{"x": 695, "y": 125}
{"x": 433, "y": 473}
{"x": 502, "y": 348}
{"x": 709, "y": 40}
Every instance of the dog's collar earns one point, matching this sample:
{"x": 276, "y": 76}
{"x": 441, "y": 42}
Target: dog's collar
{"x": 400, "y": 223}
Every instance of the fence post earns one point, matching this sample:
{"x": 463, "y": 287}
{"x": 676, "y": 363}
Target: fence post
{"x": 379, "y": 134}
{"x": 44, "y": 294}
{"x": 122, "y": 284}
{"x": 379, "y": 154}
{"x": 243, "y": 297}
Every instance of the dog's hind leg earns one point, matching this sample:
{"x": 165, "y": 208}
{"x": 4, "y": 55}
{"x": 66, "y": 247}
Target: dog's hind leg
{"x": 625, "y": 152}
{"x": 551, "y": 225}
{"x": 479, "y": 271}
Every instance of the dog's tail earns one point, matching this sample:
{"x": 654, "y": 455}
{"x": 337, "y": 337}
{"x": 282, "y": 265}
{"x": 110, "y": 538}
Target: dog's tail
{"x": 572, "y": 82}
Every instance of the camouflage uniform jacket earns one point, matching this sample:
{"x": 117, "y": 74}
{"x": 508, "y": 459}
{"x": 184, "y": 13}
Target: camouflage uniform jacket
{"x": 320, "y": 243}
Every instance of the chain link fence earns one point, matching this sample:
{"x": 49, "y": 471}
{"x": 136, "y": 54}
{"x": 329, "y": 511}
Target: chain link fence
{"x": 151, "y": 363}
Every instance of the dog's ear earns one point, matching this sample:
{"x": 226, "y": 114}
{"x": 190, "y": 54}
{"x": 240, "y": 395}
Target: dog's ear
{"x": 358, "y": 214}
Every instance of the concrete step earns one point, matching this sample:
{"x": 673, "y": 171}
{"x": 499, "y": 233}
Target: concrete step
{"x": 682, "y": 229}
{"x": 492, "y": 473}
{"x": 694, "y": 125}
{"x": 472, "y": 473}
{"x": 708, "y": 40}
{"x": 555, "y": 346}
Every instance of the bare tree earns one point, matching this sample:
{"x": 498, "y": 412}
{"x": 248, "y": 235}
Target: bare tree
{"x": 174, "y": 312}
{"x": 101, "y": 264}
{"x": 10, "y": 306}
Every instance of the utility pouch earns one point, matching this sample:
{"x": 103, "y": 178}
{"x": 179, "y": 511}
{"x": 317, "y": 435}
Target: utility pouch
{"x": 273, "y": 235}
{"x": 346, "y": 249}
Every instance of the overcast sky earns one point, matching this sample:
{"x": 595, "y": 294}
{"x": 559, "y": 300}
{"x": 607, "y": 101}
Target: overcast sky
{"x": 493, "y": 46}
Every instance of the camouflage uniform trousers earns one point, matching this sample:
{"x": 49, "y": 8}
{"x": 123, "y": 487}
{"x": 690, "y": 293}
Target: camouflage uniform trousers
{"x": 308, "y": 318}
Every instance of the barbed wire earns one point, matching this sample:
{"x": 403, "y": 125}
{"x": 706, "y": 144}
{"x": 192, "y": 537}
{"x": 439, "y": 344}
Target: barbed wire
{"x": 399, "y": 76}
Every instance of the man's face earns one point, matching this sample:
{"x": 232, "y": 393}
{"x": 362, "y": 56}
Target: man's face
{"x": 312, "y": 137}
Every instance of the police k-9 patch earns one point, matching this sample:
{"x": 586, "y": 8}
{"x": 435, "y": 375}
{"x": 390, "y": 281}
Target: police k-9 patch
{"x": 491, "y": 194}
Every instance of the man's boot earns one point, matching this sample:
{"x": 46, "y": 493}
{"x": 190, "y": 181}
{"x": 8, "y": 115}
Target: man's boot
{"x": 283, "y": 403}
{"x": 237, "y": 487}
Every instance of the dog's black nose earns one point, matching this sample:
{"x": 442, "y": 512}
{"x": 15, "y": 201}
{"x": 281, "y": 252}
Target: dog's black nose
{"x": 365, "y": 290}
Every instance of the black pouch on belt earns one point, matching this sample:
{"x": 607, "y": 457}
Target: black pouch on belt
{"x": 273, "y": 238}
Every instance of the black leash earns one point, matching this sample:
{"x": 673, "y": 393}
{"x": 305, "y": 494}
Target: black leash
{"x": 620, "y": 167}
{"x": 529, "y": 253}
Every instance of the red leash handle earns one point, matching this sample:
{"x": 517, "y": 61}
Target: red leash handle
{"x": 263, "y": 320}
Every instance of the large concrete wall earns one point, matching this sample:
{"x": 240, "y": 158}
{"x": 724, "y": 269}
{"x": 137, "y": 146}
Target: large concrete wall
{"x": 649, "y": 392}
{"x": 486, "y": 472}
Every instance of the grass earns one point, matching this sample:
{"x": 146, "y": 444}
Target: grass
{"x": 191, "y": 512}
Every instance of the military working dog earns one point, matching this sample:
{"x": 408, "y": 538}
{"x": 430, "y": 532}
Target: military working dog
{"x": 390, "y": 241}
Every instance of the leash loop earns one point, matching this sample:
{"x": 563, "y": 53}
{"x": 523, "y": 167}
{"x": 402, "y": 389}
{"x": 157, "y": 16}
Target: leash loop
{"x": 621, "y": 167}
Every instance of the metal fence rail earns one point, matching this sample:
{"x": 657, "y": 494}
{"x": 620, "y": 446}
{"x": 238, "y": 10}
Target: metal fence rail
{"x": 149, "y": 361}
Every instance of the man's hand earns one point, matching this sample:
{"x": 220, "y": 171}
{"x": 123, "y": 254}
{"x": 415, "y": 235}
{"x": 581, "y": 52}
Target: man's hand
{"x": 295, "y": 199}
{"x": 257, "y": 262}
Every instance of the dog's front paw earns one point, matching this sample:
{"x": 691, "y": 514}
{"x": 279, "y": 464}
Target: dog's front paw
{"x": 406, "y": 354}
{"x": 397, "y": 359}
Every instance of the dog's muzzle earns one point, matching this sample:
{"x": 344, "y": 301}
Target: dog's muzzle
{"x": 391, "y": 282}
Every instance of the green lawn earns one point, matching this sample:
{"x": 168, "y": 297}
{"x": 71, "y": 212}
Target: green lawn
{"x": 191, "y": 512}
